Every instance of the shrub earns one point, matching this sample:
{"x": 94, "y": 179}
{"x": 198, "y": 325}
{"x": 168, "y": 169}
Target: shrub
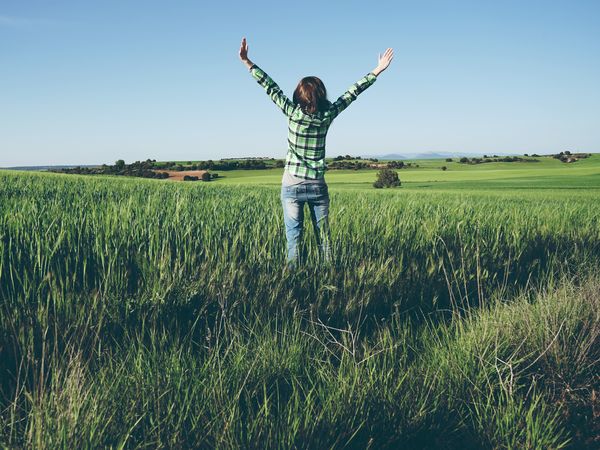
{"x": 386, "y": 178}
{"x": 444, "y": 168}
{"x": 448, "y": 159}
{"x": 206, "y": 176}
{"x": 119, "y": 164}
{"x": 190, "y": 178}
{"x": 396, "y": 165}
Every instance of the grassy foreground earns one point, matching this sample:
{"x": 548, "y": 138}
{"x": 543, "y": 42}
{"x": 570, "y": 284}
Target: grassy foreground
{"x": 148, "y": 314}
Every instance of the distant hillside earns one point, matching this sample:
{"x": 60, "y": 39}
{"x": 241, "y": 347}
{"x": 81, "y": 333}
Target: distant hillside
{"x": 388, "y": 156}
{"x": 431, "y": 155}
{"x": 48, "y": 167}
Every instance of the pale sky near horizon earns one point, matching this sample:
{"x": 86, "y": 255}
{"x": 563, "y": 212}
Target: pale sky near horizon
{"x": 90, "y": 83}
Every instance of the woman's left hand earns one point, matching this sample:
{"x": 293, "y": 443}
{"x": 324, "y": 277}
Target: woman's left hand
{"x": 244, "y": 54}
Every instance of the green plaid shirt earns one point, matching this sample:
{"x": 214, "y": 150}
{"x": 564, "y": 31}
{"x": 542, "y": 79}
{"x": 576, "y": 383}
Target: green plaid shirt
{"x": 307, "y": 132}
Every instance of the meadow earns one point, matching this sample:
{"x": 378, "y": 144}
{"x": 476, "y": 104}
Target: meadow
{"x": 459, "y": 311}
{"x": 547, "y": 173}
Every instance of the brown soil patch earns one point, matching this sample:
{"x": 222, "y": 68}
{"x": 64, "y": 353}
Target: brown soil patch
{"x": 177, "y": 175}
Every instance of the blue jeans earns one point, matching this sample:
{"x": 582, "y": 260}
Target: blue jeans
{"x": 293, "y": 199}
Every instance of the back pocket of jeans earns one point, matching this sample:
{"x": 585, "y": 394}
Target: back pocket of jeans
{"x": 321, "y": 190}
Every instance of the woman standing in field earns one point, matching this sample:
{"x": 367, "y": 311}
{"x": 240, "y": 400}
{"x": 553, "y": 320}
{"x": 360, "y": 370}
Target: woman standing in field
{"x": 309, "y": 116}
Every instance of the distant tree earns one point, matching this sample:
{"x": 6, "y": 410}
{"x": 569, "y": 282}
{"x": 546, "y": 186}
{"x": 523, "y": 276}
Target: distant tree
{"x": 206, "y": 176}
{"x": 280, "y": 163}
{"x": 119, "y": 164}
{"x": 567, "y": 152}
{"x": 464, "y": 160}
{"x": 190, "y": 178}
{"x": 386, "y": 178}
{"x": 444, "y": 168}
{"x": 396, "y": 164}
{"x": 448, "y": 159}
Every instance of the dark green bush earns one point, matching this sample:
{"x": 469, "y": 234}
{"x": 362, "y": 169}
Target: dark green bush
{"x": 386, "y": 178}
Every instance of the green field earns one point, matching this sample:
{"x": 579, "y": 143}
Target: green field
{"x": 548, "y": 173}
{"x": 461, "y": 310}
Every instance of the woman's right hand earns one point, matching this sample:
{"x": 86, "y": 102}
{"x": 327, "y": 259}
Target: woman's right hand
{"x": 384, "y": 61}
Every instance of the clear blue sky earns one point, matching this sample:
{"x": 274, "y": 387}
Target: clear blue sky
{"x": 92, "y": 82}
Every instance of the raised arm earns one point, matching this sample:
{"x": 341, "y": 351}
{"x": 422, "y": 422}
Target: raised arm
{"x": 352, "y": 93}
{"x": 272, "y": 89}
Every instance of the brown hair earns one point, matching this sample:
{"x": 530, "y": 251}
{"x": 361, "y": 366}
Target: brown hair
{"x": 311, "y": 95}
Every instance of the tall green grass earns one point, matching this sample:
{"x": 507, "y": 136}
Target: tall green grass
{"x": 404, "y": 251}
{"x": 149, "y": 314}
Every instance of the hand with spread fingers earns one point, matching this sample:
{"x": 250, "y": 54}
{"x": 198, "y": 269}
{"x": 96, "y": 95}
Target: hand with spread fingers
{"x": 384, "y": 61}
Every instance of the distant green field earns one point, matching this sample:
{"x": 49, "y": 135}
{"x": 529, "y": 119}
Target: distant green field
{"x": 548, "y": 173}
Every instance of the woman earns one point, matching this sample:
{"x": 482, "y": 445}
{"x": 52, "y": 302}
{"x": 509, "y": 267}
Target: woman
{"x": 309, "y": 116}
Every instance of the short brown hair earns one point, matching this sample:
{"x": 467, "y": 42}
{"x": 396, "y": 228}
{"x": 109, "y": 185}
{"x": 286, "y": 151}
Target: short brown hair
{"x": 311, "y": 95}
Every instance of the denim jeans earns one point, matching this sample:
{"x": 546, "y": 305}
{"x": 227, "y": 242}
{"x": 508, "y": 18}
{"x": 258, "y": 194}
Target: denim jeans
{"x": 293, "y": 199}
